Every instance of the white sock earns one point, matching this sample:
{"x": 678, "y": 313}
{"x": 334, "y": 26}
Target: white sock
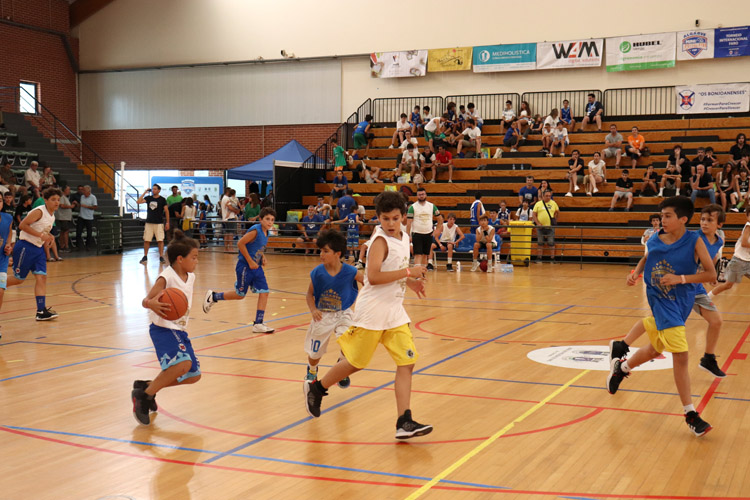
{"x": 688, "y": 408}
{"x": 677, "y": 192}
{"x": 711, "y": 295}
{"x": 313, "y": 369}
{"x": 450, "y": 260}
{"x": 429, "y": 261}
{"x": 624, "y": 367}
{"x": 476, "y": 261}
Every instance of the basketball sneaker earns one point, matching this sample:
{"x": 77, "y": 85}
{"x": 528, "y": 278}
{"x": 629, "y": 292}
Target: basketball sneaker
{"x": 616, "y": 375}
{"x": 162, "y": 261}
{"x": 262, "y": 328}
{"x": 475, "y": 266}
{"x": 141, "y": 405}
{"x": 314, "y": 393}
{"x": 430, "y": 267}
{"x": 407, "y": 428}
{"x": 143, "y": 384}
{"x": 617, "y": 349}
{"x": 310, "y": 375}
{"x": 208, "y": 301}
{"x": 144, "y": 260}
{"x": 709, "y": 364}
{"x": 449, "y": 268}
{"x": 46, "y": 315}
{"x": 697, "y": 424}
{"x": 344, "y": 383}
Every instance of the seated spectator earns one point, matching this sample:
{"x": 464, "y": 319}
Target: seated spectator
{"x": 340, "y": 185}
{"x": 363, "y": 136}
{"x": 472, "y": 138}
{"x": 670, "y": 180}
{"x": 739, "y": 149}
{"x": 725, "y": 185}
{"x": 474, "y": 113}
{"x": 529, "y": 192}
{"x": 511, "y": 138}
{"x": 525, "y": 119}
{"x": 309, "y": 229}
{"x": 547, "y": 139}
{"x": 524, "y": 212}
{"x": 339, "y": 155}
{"x": 613, "y": 145}
{"x": 409, "y": 161}
{"x": 485, "y": 238}
{"x": 371, "y": 173}
{"x": 566, "y": 116}
{"x": 48, "y": 179}
{"x": 544, "y": 186}
{"x": 431, "y": 131}
{"x": 252, "y": 208}
{"x": 655, "y": 221}
{"x": 444, "y": 160}
{"x": 509, "y": 116}
{"x": 744, "y": 163}
{"x": 344, "y": 206}
{"x": 537, "y": 125}
{"x": 594, "y": 112}
{"x": 494, "y": 220}
{"x": 741, "y": 188}
{"x": 446, "y": 238}
{"x": 545, "y": 214}
{"x": 410, "y": 139}
{"x": 9, "y": 204}
{"x": 650, "y": 178}
{"x": 463, "y": 115}
{"x": 597, "y": 174}
{"x": 399, "y": 135}
{"x": 559, "y": 139}
{"x": 415, "y": 120}
{"x": 711, "y": 160}
{"x": 635, "y": 147}
{"x": 702, "y": 184}
{"x": 552, "y": 119}
{"x": 8, "y": 181}
{"x": 322, "y": 208}
{"x": 703, "y": 159}
{"x": 503, "y": 214}
{"x": 683, "y": 165}
{"x": 32, "y": 179}
{"x": 623, "y": 189}
{"x": 451, "y": 123}
{"x": 575, "y": 172}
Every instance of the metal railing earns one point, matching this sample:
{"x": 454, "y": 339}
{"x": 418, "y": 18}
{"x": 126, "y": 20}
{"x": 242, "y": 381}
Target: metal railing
{"x": 489, "y": 106}
{"x": 543, "y": 102}
{"x": 642, "y": 101}
{"x": 389, "y": 109}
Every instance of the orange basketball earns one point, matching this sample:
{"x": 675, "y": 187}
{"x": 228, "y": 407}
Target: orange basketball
{"x": 178, "y": 302}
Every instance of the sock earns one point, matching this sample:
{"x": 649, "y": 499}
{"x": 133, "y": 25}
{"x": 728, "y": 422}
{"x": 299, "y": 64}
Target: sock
{"x": 313, "y": 369}
{"x": 475, "y": 261}
{"x": 711, "y": 295}
{"x": 688, "y": 408}
{"x": 218, "y": 296}
{"x": 624, "y": 367}
{"x": 429, "y": 261}
{"x": 677, "y": 192}
{"x": 320, "y": 387}
{"x": 450, "y": 260}
{"x": 40, "y": 302}
{"x": 259, "y": 316}
{"x": 709, "y": 355}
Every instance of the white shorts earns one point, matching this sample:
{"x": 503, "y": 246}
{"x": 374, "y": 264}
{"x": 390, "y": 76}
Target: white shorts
{"x": 316, "y": 340}
{"x": 610, "y": 152}
{"x": 153, "y": 230}
{"x": 622, "y": 194}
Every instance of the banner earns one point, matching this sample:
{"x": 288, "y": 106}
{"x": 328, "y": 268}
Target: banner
{"x": 570, "y": 54}
{"x": 398, "y": 64}
{"x": 732, "y": 42}
{"x": 695, "y": 44}
{"x": 722, "y": 98}
{"x": 628, "y": 53}
{"x": 456, "y": 59}
{"x": 510, "y": 57}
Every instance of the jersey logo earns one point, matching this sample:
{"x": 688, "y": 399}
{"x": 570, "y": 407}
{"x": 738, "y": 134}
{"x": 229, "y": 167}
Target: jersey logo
{"x": 659, "y": 270}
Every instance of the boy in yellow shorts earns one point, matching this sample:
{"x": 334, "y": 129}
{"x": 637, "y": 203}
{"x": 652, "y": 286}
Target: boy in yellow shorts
{"x": 670, "y": 269}
{"x": 379, "y": 316}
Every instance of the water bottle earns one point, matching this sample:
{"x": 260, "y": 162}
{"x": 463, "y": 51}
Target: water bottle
{"x": 458, "y": 266}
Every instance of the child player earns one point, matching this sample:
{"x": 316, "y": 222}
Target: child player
{"x": 739, "y": 266}
{"x": 249, "y": 270}
{"x": 28, "y": 253}
{"x": 712, "y": 218}
{"x": 330, "y": 297}
{"x": 485, "y": 237}
{"x": 6, "y": 231}
{"x": 670, "y": 270}
{"x": 379, "y": 316}
{"x": 447, "y": 237}
{"x": 179, "y": 366}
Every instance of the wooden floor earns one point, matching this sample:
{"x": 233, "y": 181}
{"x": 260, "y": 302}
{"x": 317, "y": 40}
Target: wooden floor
{"x": 242, "y": 431}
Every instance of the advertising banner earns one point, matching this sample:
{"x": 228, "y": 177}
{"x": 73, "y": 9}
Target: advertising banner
{"x": 455, "y": 59}
{"x": 570, "y": 54}
{"x": 732, "y": 42}
{"x": 629, "y": 53}
{"x": 398, "y": 64}
{"x": 695, "y": 44}
{"x": 509, "y": 57}
{"x": 722, "y": 98}
{"x": 192, "y": 187}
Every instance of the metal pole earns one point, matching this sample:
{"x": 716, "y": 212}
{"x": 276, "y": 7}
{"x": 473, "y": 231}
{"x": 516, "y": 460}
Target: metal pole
{"x": 122, "y": 188}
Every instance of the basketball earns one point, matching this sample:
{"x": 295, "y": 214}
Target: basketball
{"x": 175, "y": 298}
{"x": 483, "y": 265}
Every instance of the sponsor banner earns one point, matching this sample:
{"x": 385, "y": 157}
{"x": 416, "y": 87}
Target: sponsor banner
{"x": 398, "y": 64}
{"x": 629, "y": 53}
{"x": 509, "y": 57}
{"x": 591, "y": 357}
{"x": 695, "y": 44}
{"x": 455, "y": 59}
{"x": 570, "y": 54}
{"x": 723, "y": 98}
{"x": 732, "y": 42}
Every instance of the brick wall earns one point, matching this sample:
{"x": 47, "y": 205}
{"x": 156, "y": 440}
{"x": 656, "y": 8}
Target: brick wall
{"x": 201, "y": 148}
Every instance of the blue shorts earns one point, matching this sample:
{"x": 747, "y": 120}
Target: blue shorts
{"x": 28, "y": 257}
{"x": 4, "y": 279}
{"x": 173, "y": 347}
{"x": 249, "y": 279}
{"x": 352, "y": 239}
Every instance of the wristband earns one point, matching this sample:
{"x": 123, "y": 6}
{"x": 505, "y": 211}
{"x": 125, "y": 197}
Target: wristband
{"x": 408, "y": 273}
{"x": 682, "y": 276}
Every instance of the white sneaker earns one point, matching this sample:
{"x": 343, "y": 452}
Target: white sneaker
{"x": 596, "y": 190}
{"x": 549, "y": 155}
{"x": 450, "y": 181}
{"x": 568, "y": 194}
{"x": 513, "y": 150}
{"x": 661, "y": 193}
{"x": 391, "y": 147}
{"x": 262, "y": 328}
{"x": 576, "y": 188}
{"x": 489, "y": 269}
{"x": 677, "y": 192}
{"x": 475, "y": 266}
{"x": 432, "y": 181}
{"x": 562, "y": 154}
{"x": 208, "y": 301}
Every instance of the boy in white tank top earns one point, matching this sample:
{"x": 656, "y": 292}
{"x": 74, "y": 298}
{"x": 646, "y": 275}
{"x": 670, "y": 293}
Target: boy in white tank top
{"x": 379, "y": 316}
{"x": 739, "y": 266}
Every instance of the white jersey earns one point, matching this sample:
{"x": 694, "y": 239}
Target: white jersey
{"x": 43, "y": 225}
{"x": 174, "y": 281}
{"x": 740, "y": 252}
{"x": 449, "y": 233}
{"x": 381, "y": 307}
{"x": 422, "y": 213}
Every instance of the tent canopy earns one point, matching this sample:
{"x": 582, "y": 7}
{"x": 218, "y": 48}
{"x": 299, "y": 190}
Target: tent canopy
{"x": 262, "y": 170}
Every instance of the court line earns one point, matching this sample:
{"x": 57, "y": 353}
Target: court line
{"x": 730, "y": 359}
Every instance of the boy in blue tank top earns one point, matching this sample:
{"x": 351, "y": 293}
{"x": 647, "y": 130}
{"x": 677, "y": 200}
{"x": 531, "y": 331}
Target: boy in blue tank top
{"x": 671, "y": 267}
{"x": 6, "y": 230}
{"x": 249, "y": 271}
{"x": 330, "y": 297}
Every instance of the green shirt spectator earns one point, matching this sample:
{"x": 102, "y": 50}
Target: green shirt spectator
{"x": 176, "y": 197}
{"x": 339, "y": 159}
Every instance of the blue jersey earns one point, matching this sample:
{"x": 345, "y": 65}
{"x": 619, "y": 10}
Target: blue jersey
{"x": 361, "y": 126}
{"x": 352, "y": 227}
{"x": 712, "y": 251}
{"x": 477, "y": 209}
{"x": 670, "y": 304}
{"x": 255, "y": 248}
{"x": 565, "y": 115}
{"x": 6, "y": 221}
{"x": 415, "y": 117}
{"x": 334, "y": 293}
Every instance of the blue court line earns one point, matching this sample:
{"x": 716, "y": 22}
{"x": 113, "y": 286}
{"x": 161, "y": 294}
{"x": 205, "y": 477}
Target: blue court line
{"x": 375, "y": 389}
{"x": 731, "y": 399}
{"x": 64, "y": 366}
{"x": 253, "y": 457}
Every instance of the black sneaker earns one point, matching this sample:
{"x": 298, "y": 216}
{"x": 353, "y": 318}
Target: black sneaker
{"x": 709, "y": 364}
{"x": 143, "y": 385}
{"x": 144, "y": 260}
{"x": 46, "y": 315}
{"x": 162, "y": 261}
{"x": 407, "y": 428}
{"x": 697, "y": 424}
{"x": 617, "y": 349}
{"x": 313, "y": 397}
{"x": 141, "y": 404}
{"x": 344, "y": 383}
{"x": 430, "y": 267}
{"x": 449, "y": 268}
{"x": 615, "y": 376}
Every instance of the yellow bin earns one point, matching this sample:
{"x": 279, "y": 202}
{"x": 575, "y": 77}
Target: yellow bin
{"x": 520, "y": 242}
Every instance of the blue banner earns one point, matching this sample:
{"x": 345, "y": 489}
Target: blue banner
{"x": 509, "y": 57}
{"x": 732, "y": 42}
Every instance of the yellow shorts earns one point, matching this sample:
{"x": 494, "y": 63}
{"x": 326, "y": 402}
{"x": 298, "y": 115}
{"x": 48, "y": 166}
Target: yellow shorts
{"x": 670, "y": 339}
{"x": 359, "y": 344}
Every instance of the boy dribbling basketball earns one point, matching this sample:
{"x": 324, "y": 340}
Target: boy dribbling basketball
{"x": 379, "y": 316}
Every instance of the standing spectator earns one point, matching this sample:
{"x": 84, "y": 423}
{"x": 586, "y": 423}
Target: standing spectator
{"x": 431, "y": 129}
{"x": 472, "y": 138}
{"x": 9, "y": 206}
{"x": 340, "y": 185}
{"x": 444, "y": 160}
{"x": 597, "y": 174}
{"x": 188, "y": 216}
{"x": 650, "y": 178}
{"x": 175, "y": 215}
{"x": 613, "y": 145}
{"x": 739, "y": 149}
{"x": 339, "y": 155}
{"x": 48, "y": 179}
{"x": 399, "y": 135}
{"x": 741, "y": 188}
{"x": 210, "y": 206}
{"x": 175, "y": 197}
{"x": 157, "y": 219}
{"x": 524, "y": 212}
{"x": 345, "y": 205}
{"x": 64, "y": 219}
{"x": 32, "y": 178}
{"x": 545, "y": 217}
{"x": 203, "y": 225}
{"x": 509, "y": 116}
{"x": 419, "y": 225}
{"x": 363, "y": 137}
{"x": 8, "y": 181}
{"x": 476, "y": 210}
{"x": 635, "y": 147}
{"x": 725, "y": 184}
{"x": 426, "y": 116}
{"x": 702, "y": 184}
{"x": 22, "y": 209}
{"x": 575, "y": 172}
{"x": 529, "y": 192}
{"x": 623, "y": 189}
{"x": 594, "y": 112}
{"x": 309, "y": 229}
{"x": 86, "y": 219}
{"x": 252, "y": 209}
{"x": 559, "y": 139}
{"x": 511, "y": 138}
{"x": 670, "y": 180}
{"x": 474, "y": 113}
{"x": 566, "y": 116}
{"x": 229, "y": 211}
{"x": 415, "y": 120}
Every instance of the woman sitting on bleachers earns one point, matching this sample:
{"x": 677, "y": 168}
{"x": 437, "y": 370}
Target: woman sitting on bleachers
{"x": 48, "y": 179}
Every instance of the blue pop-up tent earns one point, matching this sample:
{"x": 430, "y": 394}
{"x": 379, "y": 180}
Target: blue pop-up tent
{"x": 262, "y": 170}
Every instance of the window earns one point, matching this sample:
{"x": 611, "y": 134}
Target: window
{"x": 28, "y": 98}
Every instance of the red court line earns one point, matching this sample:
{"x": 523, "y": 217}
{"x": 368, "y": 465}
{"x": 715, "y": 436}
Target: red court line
{"x": 715, "y": 384}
